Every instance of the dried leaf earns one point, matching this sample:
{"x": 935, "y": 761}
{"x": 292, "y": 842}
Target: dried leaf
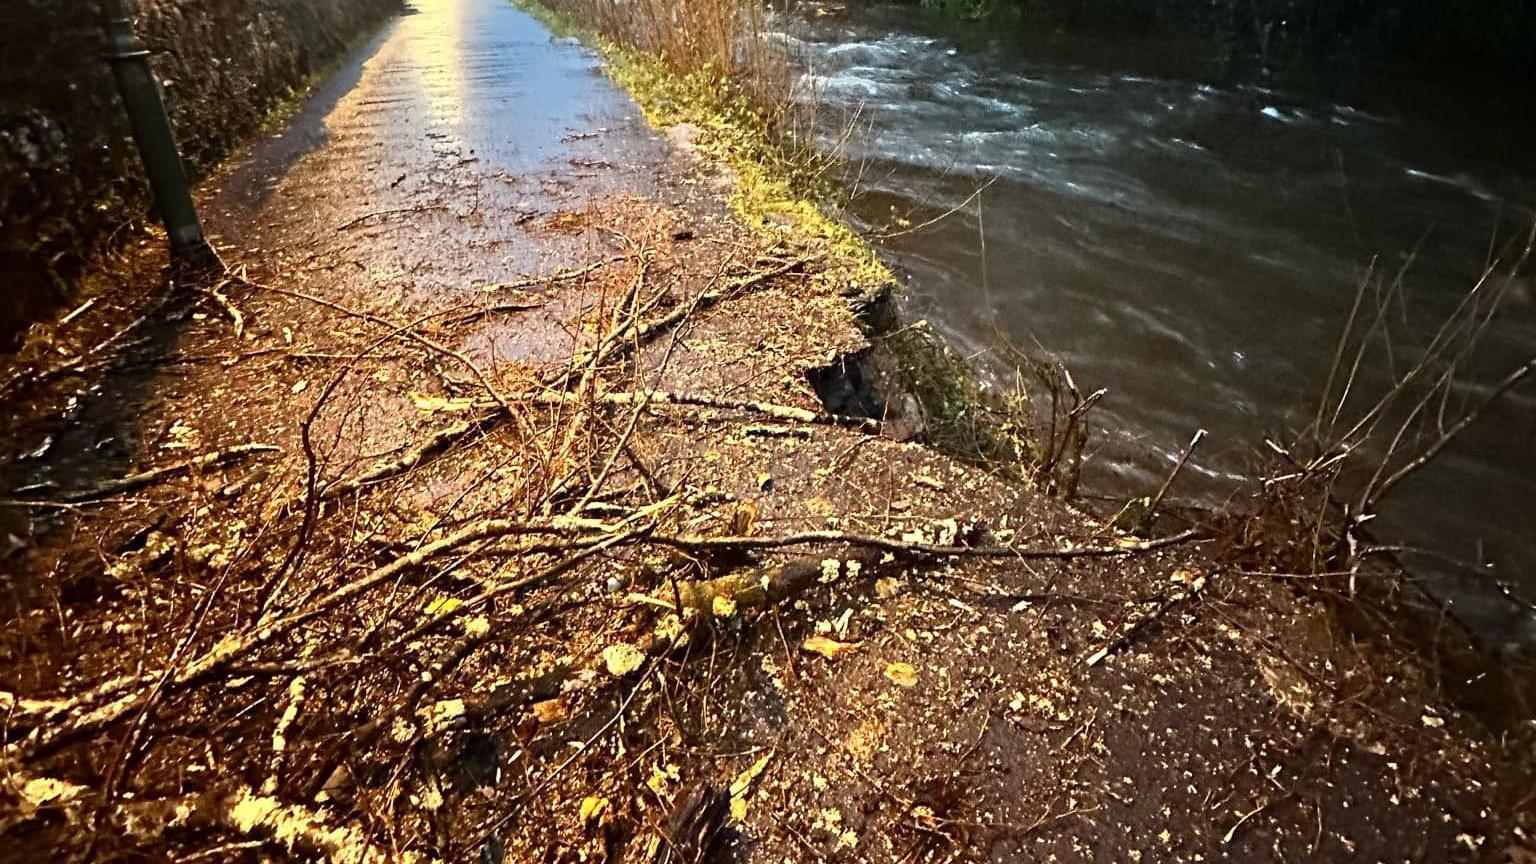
{"x": 593, "y": 808}
{"x": 550, "y": 710}
{"x": 661, "y": 779}
{"x": 444, "y": 714}
{"x": 901, "y": 674}
{"x": 742, "y": 786}
{"x": 828, "y": 648}
{"x": 722, "y": 607}
{"x": 41, "y": 791}
{"x": 622, "y": 659}
{"x": 744, "y": 780}
{"x": 840, "y": 626}
{"x": 744, "y": 519}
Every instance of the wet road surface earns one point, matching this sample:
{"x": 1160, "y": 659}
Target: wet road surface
{"x": 409, "y": 159}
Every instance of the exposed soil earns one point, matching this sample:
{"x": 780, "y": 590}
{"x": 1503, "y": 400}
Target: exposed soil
{"x": 333, "y": 651}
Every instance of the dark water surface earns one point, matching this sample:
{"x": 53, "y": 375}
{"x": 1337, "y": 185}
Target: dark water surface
{"x": 1190, "y": 236}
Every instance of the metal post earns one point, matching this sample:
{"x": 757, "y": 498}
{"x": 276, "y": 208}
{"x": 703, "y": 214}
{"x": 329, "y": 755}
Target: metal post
{"x": 155, "y": 139}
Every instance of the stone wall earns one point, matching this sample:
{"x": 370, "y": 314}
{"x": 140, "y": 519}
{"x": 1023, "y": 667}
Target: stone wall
{"x": 68, "y": 172}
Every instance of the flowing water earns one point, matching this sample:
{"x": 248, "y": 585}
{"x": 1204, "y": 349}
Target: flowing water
{"x": 1191, "y": 236}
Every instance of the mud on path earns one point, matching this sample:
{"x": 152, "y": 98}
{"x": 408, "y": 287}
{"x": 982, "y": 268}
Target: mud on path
{"x": 531, "y": 393}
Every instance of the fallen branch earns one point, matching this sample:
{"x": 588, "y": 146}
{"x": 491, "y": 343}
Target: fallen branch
{"x": 111, "y": 700}
{"x": 613, "y": 350}
{"x": 1178, "y": 466}
{"x": 712, "y": 297}
{"x": 557, "y": 276}
{"x": 758, "y": 586}
{"x": 770, "y": 410}
{"x": 292, "y": 827}
{"x": 398, "y": 211}
{"x": 434, "y": 444}
{"x": 488, "y": 311}
{"x": 909, "y": 547}
{"x": 145, "y": 478}
{"x": 477, "y": 632}
{"x": 785, "y": 413}
{"x": 98, "y": 711}
{"x": 406, "y": 331}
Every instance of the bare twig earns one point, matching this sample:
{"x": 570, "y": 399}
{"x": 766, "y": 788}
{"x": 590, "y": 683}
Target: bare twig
{"x": 1172, "y": 475}
{"x": 1509, "y": 382}
{"x": 153, "y": 475}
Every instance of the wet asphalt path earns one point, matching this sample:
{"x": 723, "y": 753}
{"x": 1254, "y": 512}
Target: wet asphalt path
{"x": 418, "y": 160}
{"x": 429, "y": 165}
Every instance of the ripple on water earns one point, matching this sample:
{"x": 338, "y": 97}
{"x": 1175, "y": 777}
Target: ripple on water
{"x": 1192, "y": 245}
{"x": 1463, "y": 181}
{"x": 1285, "y": 115}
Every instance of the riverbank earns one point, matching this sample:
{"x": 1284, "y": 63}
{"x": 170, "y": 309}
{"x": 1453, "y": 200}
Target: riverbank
{"x": 561, "y": 553}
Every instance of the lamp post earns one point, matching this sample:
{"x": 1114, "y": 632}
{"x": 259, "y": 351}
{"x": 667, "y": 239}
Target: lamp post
{"x": 190, "y": 250}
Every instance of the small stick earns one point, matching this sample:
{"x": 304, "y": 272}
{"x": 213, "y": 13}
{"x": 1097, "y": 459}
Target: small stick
{"x": 435, "y": 443}
{"x": 1177, "y": 467}
{"x": 1135, "y": 626}
{"x": 557, "y": 276}
{"x": 218, "y": 297}
{"x": 1232, "y": 832}
{"x": 488, "y": 311}
{"x": 421, "y": 208}
{"x": 78, "y": 310}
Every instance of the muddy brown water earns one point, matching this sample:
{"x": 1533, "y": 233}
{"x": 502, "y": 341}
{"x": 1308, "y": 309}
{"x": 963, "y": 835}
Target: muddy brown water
{"x": 1191, "y": 238}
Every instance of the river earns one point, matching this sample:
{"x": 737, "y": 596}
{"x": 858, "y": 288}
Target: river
{"x": 1191, "y": 235}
